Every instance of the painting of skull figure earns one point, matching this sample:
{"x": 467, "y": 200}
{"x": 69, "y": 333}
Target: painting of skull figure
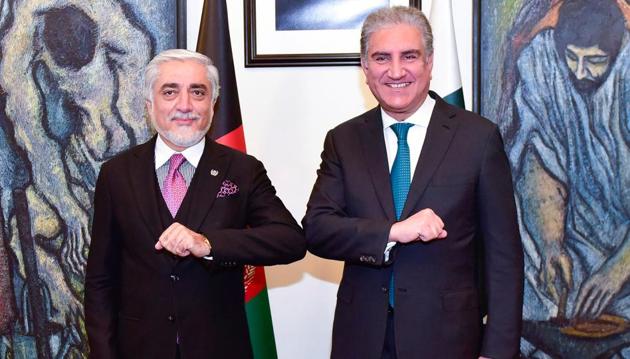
{"x": 70, "y": 98}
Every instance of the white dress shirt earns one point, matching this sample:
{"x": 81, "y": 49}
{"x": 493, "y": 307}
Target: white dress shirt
{"x": 415, "y": 136}
{"x": 415, "y": 140}
{"x": 192, "y": 154}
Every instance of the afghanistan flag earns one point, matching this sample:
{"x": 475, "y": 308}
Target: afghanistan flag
{"x": 446, "y": 81}
{"x": 227, "y": 129}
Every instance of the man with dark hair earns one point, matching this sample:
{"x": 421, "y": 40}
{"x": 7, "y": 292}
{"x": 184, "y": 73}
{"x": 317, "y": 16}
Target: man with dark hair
{"x": 415, "y": 196}
{"x": 588, "y": 36}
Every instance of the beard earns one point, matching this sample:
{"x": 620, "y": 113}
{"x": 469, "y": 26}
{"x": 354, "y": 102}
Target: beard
{"x": 588, "y": 86}
{"x": 584, "y": 85}
{"x": 183, "y": 136}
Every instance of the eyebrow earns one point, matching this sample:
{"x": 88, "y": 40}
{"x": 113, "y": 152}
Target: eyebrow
{"x": 380, "y": 53}
{"x": 198, "y": 86}
{"x": 176, "y": 85}
{"x": 414, "y": 51}
{"x": 386, "y": 53}
{"x": 169, "y": 84}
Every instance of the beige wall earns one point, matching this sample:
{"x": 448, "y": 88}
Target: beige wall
{"x": 286, "y": 114}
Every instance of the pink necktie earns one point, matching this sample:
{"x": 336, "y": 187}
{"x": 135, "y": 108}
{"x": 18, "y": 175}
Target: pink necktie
{"x": 174, "y": 188}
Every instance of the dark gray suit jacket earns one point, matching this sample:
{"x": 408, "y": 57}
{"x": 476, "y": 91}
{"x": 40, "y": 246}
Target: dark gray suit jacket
{"x": 443, "y": 287}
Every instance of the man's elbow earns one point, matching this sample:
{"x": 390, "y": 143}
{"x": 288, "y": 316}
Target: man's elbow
{"x": 298, "y": 248}
{"x": 294, "y": 249}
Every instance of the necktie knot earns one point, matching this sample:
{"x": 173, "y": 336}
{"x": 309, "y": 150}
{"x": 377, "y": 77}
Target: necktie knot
{"x": 401, "y": 129}
{"x": 175, "y": 162}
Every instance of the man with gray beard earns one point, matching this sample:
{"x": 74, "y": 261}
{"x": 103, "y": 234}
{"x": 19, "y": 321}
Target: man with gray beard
{"x": 175, "y": 220}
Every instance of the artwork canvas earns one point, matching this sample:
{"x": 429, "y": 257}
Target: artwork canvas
{"x": 554, "y": 75}
{"x": 70, "y": 98}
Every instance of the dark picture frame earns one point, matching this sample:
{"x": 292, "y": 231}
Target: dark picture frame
{"x": 181, "y": 24}
{"x": 255, "y": 58}
{"x": 476, "y": 52}
{"x": 481, "y": 50}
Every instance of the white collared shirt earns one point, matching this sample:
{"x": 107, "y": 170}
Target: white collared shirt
{"x": 192, "y": 154}
{"x": 415, "y": 139}
{"x": 415, "y": 136}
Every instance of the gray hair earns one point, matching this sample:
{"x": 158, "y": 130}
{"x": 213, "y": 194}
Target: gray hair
{"x": 395, "y": 15}
{"x": 152, "y": 70}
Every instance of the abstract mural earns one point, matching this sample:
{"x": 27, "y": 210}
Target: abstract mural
{"x": 562, "y": 103}
{"x": 70, "y": 98}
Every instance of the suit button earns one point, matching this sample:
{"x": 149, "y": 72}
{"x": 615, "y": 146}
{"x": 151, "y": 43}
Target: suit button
{"x": 384, "y": 289}
{"x": 174, "y": 278}
{"x": 171, "y": 318}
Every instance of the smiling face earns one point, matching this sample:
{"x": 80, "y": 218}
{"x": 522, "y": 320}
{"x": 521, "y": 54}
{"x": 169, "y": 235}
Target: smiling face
{"x": 182, "y": 107}
{"x": 397, "y": 69}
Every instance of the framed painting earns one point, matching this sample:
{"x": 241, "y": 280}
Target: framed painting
{"x": 71, "y": 85}
{"x": 554, "y": 76}
{"x": 307, "y": 33}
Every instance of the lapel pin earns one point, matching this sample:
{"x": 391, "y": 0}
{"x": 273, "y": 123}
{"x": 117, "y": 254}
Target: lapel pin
{"x": 214, "y": 172}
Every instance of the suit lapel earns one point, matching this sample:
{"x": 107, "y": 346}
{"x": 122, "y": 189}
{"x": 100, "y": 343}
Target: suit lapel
{"x": 441, "y": 130}
{"x": 144, "y": 187}
{"x": 205, "y": 185}
{"x": 375, "y": 158}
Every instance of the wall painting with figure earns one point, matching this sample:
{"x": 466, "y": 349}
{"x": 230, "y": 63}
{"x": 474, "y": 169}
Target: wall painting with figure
{"x": 561, "y": 101}
{"x": 70, "y": 98}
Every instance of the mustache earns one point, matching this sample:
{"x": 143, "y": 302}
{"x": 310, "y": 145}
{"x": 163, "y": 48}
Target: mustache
{"x": 184, "y": 115}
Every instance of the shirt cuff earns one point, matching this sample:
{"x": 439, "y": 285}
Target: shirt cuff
{"x": 209, "y": 257}
{"x": 388, "y": 248}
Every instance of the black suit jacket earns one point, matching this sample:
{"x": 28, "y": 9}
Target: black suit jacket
{"x": 463, "y": 175}
{"x": 137, "y": 299}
